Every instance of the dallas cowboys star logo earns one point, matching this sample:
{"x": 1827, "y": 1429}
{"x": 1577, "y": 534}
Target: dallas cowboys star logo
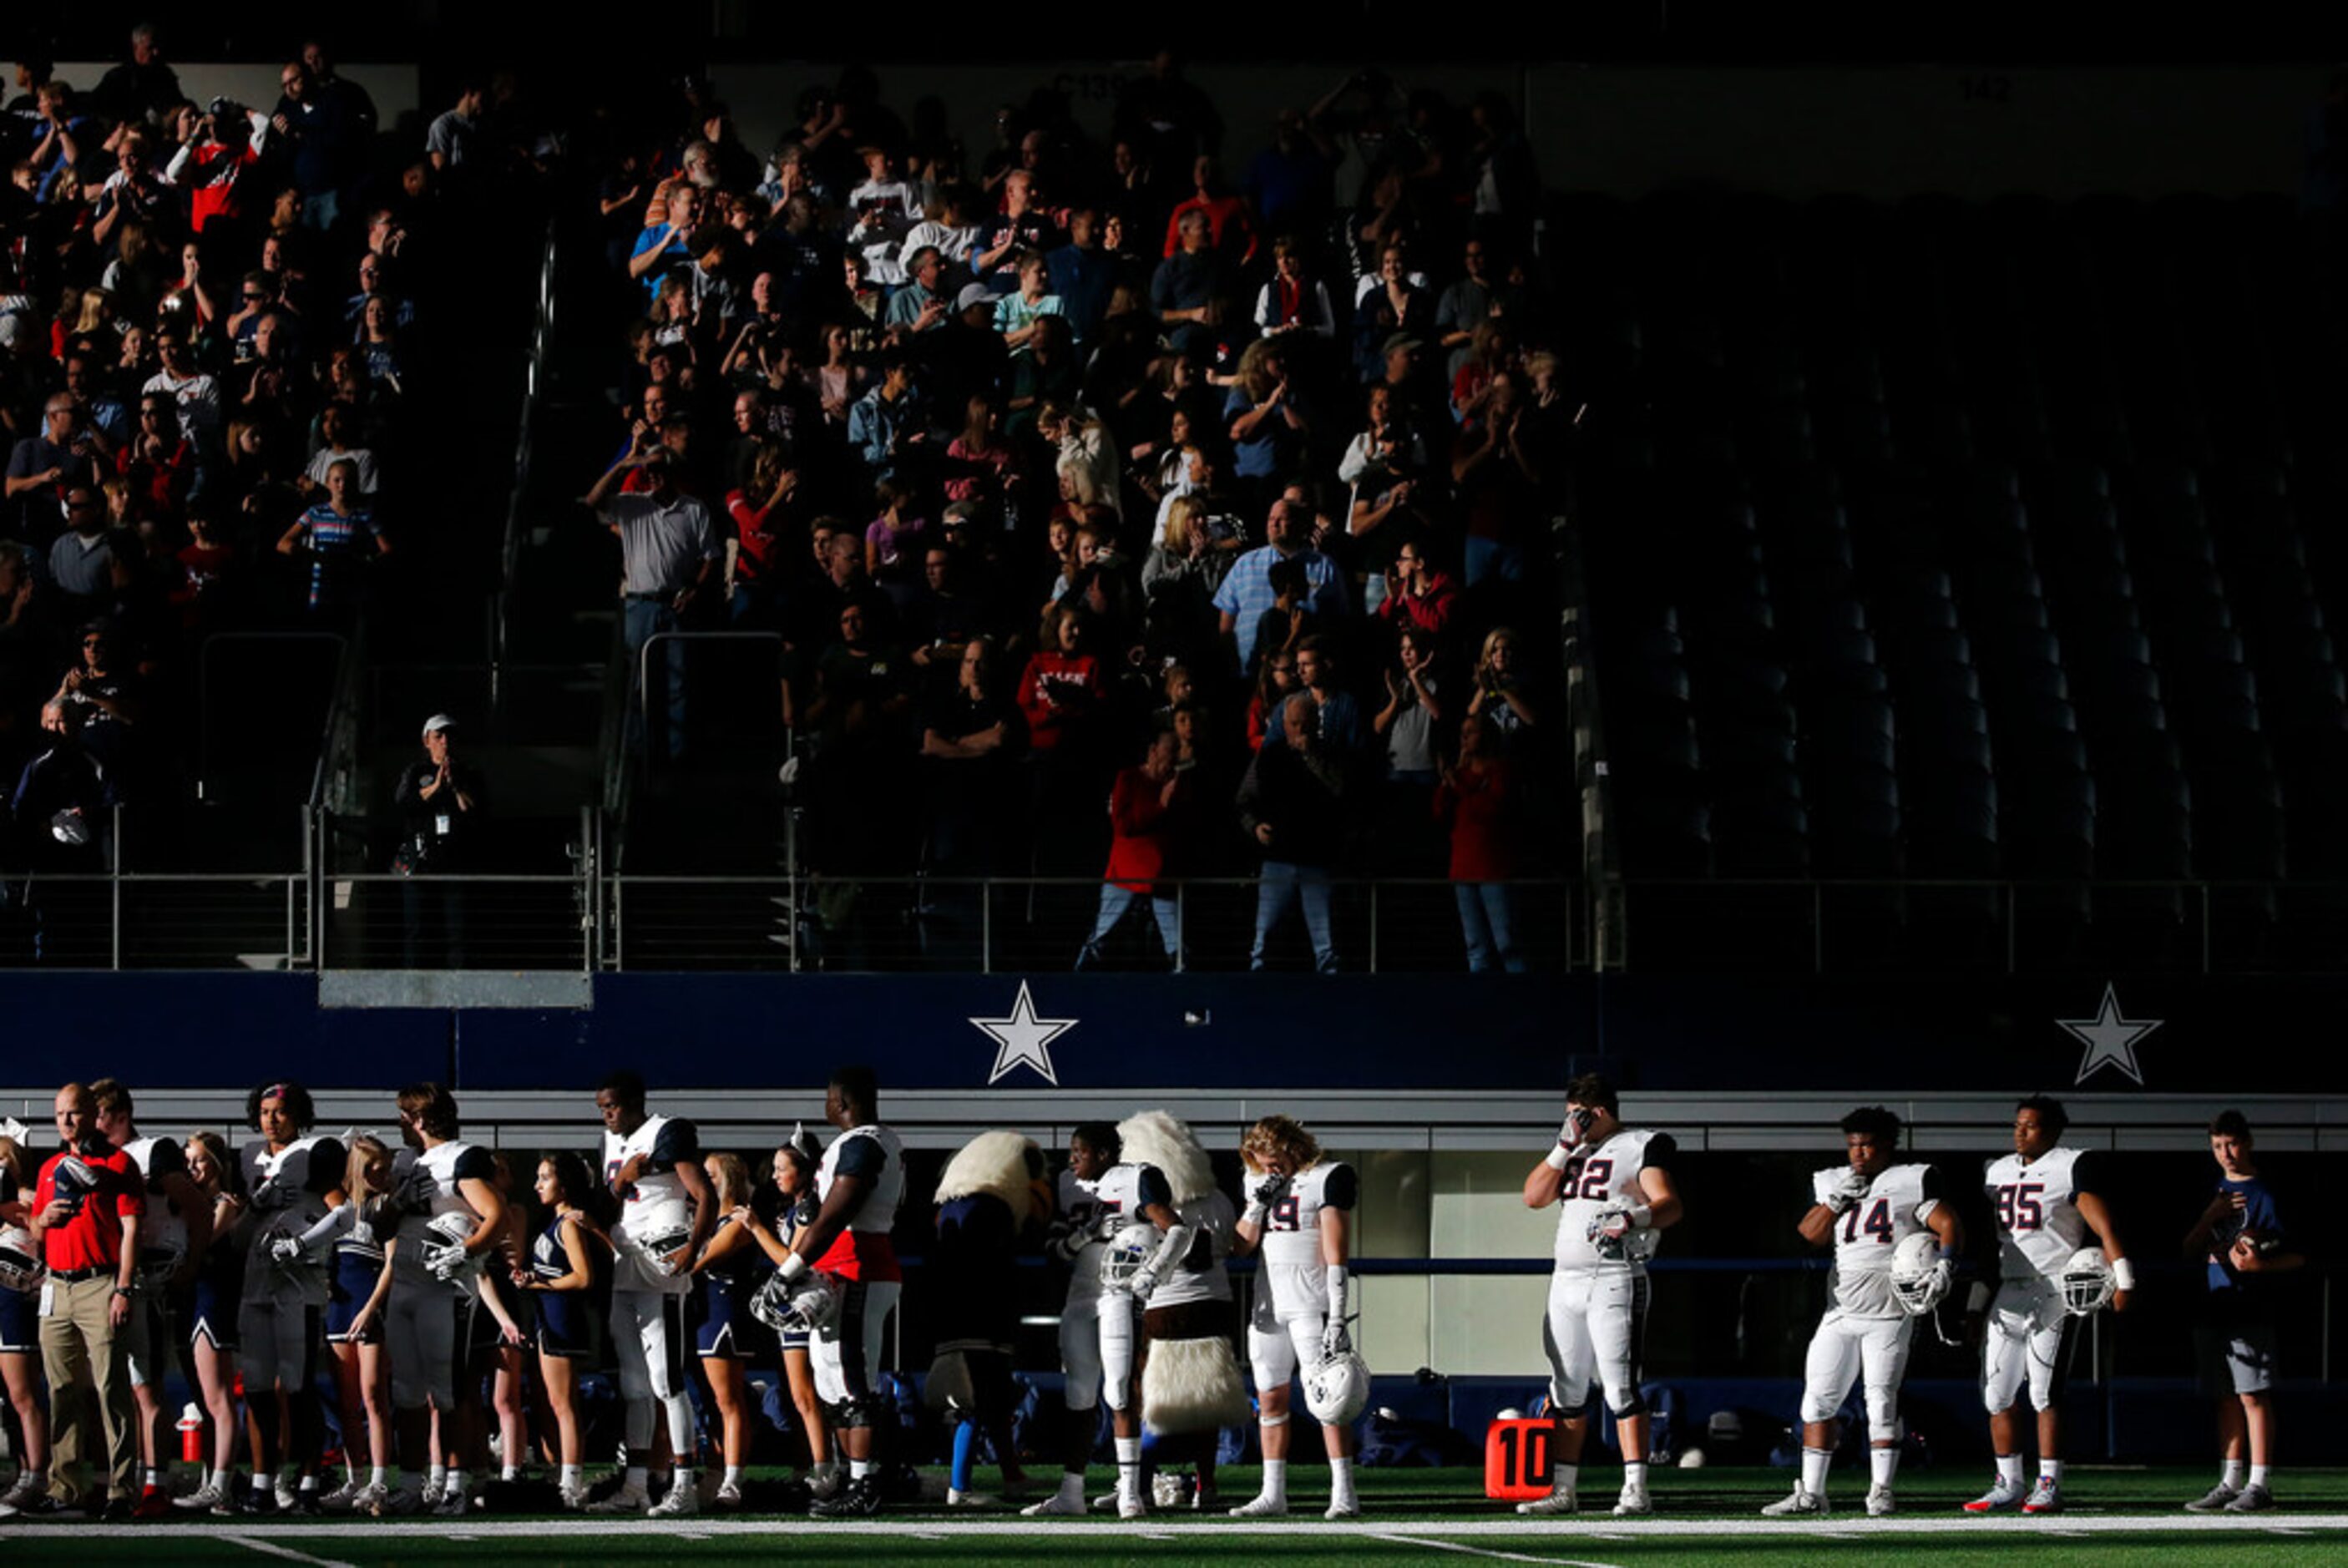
{"x": 1022, "y": 1037}
{"x": 2110, "y": 1039}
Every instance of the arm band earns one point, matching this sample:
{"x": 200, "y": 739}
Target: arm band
{"x": 1557, "y": 1158}
{"x": 1641, "y": 1216}
{"x": 2123, "y": 1274}
{"x": 793, "y": 1268}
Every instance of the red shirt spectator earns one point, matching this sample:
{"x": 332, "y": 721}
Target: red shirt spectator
{"x": 1062, "y": 687}
{"x": 1477, "y": 800}
{"x": 1417, "y": 596}
{"x": 1145, "y": 818}
{"x": 92, "y": 1237}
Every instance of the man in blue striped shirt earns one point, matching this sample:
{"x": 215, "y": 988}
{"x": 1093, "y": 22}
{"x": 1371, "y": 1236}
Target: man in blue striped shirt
{"x": 1246, "y": 592}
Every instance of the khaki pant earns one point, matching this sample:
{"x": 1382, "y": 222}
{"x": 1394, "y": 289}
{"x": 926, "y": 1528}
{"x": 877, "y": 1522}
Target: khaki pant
{"x": 87, "y": 1364}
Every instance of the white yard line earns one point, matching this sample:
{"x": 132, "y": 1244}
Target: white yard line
{"x": 1423, "y": 1541}
{"x": 270, "y": 1549}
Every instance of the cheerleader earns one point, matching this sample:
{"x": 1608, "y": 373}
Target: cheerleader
{"x": 212, "y": 1315}
{"x": 356, "y": 1288}
{"x": 569, "y": 1281}
{"x": 726, "y": 1334}
{"x": 794, "y": 1173}
{"x": 20, "y": 1336}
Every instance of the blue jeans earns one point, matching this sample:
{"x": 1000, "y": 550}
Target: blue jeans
{"x": 1488, "y": 919}
{"x": 1280, "y": 886}
{"x": 641, "y": 620}
{"x": 1164, "y": 912}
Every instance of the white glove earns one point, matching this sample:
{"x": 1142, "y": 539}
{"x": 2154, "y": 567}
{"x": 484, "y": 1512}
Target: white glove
{"x": 1141, "y": 1284}
{"x": 1263, "y": 1191}
{"x": 447, "y": 1262}
{"x": 1847, "y": 1190}
{"x": 1334, "y": 1340}
{"x": 285, "y": 1251}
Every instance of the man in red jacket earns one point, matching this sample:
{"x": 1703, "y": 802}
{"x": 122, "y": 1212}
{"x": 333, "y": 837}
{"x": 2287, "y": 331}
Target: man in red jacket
{"x": 1144, "y": 813}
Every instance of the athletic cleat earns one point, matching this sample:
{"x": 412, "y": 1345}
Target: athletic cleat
{"x": 1878, "y": 1501}
{"x": 1106, "y": 1503}
{"x": 153, "y": 1503}
{"x": 1801, "y": 1505}
{"x": 2002, "y": 1495}
{"x": 2254, "y": 1500}
{"x": 1561, "y": 1500}
{"x": 257, "y": 1498}
{"x": 827, "y": 1484}
{"x": 678, "y": 1501}
{"x": 1343, "y": 1510}
{"x": 453, "y": 1503}
{"x": 1132, "y": 1508}
{"x": 306, "y": 1506}
{"x": 1634, "y": 1501}
{"x": 729, "y": 1495}
{"x": 25, "y": 1489}
{"x": 1261, "y": 1507}
{"x": 207, "y": 1497}
{"x": 574, "y": 1499}
{"x": 860, "y": 1499}
{"x": 629, "y": 1499}
{"x": 1060, "y": 1504}
{"x": 955, "y": 1499}
{"x": 339, "y": 1499}
{"x": 285, "y": 1493}
{"x": 2047, "y": 1497}
{"x": 2215, "y": 1500}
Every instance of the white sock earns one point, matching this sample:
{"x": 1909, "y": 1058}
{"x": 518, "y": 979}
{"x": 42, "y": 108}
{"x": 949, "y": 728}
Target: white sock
{"x": 308, "y": 1483}
{"x": 374, "y": 1476}
{"x": 460, "y": 1482}
{"x": 1882, "y": 1464}
{"x": 733, "y": 1475}
{"x": 1562, "y": 1477}
{"x": 2259, "y": 1474}
{"x": 2051, "y": 1472}
{"x": 509, "y": 1472}
{"x": 1275, "y": 1479}
{"x": 574, "y": 1475}
{"x": 858, "y": 1469}
{"x": 1128, "y": 1466}
{"x": 638, "y": 1478}
{"x": 1814, "y": 1462}
{"x": 154, "y": 1478}
{"x": 2231, "y": 1474}
{"x": 2009, "y": 1470}
{"x": 1634, "y": 1472}
{"x": 223, "y": 1478}
{"x": 1341, "y": 1481}
{"x": 1071, "y": 1485}
{"x": 437, "y": 1477}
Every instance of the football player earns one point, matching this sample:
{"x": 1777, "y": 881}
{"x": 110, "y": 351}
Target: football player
{"x": 292, "y": 1179}
{"x": 859, "y": 1184}
{"x": 173, "y": 1231}
{"x": 1100, "y": 1195}
{"x": 1863, "y": 1208}
{"x": 451, "y": 1216}
{"x": 2046, "y": 1204}
{"x": 1615, "y": 1188}
{"x": 2242, "y": 1241}
{"x": 653, "y": 1166}
{"x": 1299, "y": 1216}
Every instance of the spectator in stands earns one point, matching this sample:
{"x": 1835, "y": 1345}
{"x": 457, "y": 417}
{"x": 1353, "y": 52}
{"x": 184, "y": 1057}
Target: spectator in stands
{"x": 1146, "y": 828}
{"x": 1291, "y": 303}
{"x": 925, "y": 301}
{"x": 1246, "y": 592}
{"x": 1292, "y": 802}
{"x": 1266, "y": 421}
{"x": 81, "y": 560}
{"x": 1395, "y": 308}
{"x": 339, "y": 440}
{"x": 669, "y": 553}
{"x": 159, "y": 463}
{"x": 142, "y": 87}
{"x": 1187, "y": 288}
{"x": 863, "y": 681}
{"x": 1275, "y": 683}
{"x": 1084, "y": 275}
{"x": 762, "y": 514}
{"x": 1502, "y": 696}
{"x": 1477, "y": 802}
{"x": 455, "y": 138}
{"x": 1417, "y": 594}
{"x": 1019, "y": 313}
{"x": 40, "y": 466}
{"x": 1411, "y": 732}
{"x": 1470, "y": 301}
{"x": 890, "y": 427}
{"x": 1499, "y": 477}
{"x": 894, "y": 541}
{"x": 971, "y": 740}
{"x": 440, "y": 803}
{"x": 339, "y": 538}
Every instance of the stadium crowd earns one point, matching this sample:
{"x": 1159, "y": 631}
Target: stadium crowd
{"x": 1115, "y": 511}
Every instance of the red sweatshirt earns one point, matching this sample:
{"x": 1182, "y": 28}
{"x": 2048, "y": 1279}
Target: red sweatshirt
{"x": 1075, "y": 680}
{"x": 1144, "y": 838}
{"x": 1477, "y": 806}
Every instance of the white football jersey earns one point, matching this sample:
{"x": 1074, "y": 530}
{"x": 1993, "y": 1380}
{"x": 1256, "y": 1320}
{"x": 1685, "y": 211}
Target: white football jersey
{"x": 1198, "y": 1274}
{"x": 1121, "y": 1194}
{"x": 874, "y": 1153}
{"x": 426, "y": 1183}
{"x": 1292, "y": 1264}
{"x": 287, "y": 1195}
{"x": 1601, "y": 1177}
{"x": 654, "y": 1203}
{"x": 162, "y": 1229}
{"x": 1898, "y": 1203}
{"x": 2036, "y": 1204}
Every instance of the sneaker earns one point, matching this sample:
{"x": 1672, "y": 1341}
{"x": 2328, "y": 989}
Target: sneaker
{"x": 433, "y": 1486}
{"x": 284, "y": 1491}
{"x": 1106, "y": 1503}
{"x": 1060, "y": 1504}
{"x": 306, "y": 1505}
{"x": 1129, "y": 1505}
{"x": 339, "y": 1499}
{"x": 2254, "y": 1500}
{"x": 827, "y": 1484}
{"x": 399, "y": 1502}
{"x": 453, "y": 1503}
{"x": 1343, "y": 1510}
{"x": 258, "y": 1498}
{"x": 1801, "y": 1505}
{"x": 1261, "y": 1507}
{"x": 574, "y": 1497}
{"x": 25, "y": 1489}
{"x": 153, "y": 1503}
{"x": 729, "y": 1495}
{"x": 2001, "y": 1495}
{"x": 2215, "y": 1500}
{"x": 629, "y": 1499}
{"x": 1561, "y": 1500}
{"x": 676, "y": 1502}
{"x": 2047, "y": 1497}
{"x": 1634, "y": 1500}
{"x": 365, "y": 1500}
{"x": 1878, "y": 1501}
{"x": 860, "y": 1499}
{"x": 958, "y": 1499}
{"x": 208, "y": 1497}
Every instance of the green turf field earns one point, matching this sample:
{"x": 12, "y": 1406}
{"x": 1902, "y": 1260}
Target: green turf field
{"x": 2116, "y": 1517}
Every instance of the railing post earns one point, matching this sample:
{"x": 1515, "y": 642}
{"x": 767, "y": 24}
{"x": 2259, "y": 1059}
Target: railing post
{"x": 114, "y": 887}
{"x": 2205, "y": 926}
{"x": 2013, "y": 922}
{"x": 1181, "y": 926}
{"x": 587, "y": 886}
{"x": 987, "y": 925}
{"x": 1817, "y": 929}
{"x": 1374, "y": 928}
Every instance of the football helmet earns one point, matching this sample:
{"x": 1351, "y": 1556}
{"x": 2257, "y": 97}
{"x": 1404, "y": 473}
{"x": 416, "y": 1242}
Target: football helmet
{"x": 807, "y": 1306}
{"x": 1917, "y": 1280}
{"x": 1128, "y": 1252}
{"x": 1338, "y": 1389}
{"x": 656, "y": 1251}
{"x": 1611, "y": 1233}
{"x": 20, "y": 1264}
{"x": 444, "y": 1245}
{"x": 2088, "y": 1283}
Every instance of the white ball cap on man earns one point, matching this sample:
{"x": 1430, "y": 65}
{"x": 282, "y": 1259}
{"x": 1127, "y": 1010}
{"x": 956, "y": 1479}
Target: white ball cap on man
{"x": 439, "y": 721}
